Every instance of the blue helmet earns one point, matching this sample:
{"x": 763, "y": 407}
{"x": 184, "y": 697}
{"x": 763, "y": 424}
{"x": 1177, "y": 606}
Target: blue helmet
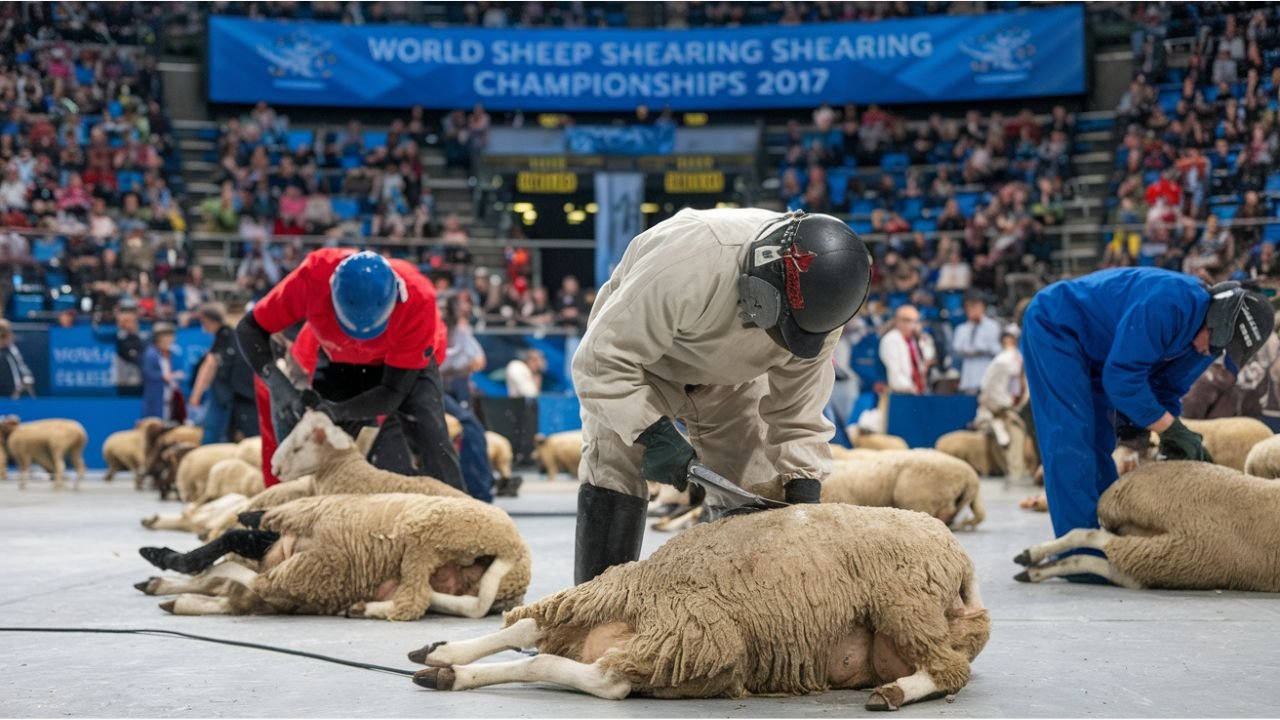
{"x": 365, "y": 290}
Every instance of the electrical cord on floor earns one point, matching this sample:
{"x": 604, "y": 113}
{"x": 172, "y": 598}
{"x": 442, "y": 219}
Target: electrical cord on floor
{"x": 206, "y": 638}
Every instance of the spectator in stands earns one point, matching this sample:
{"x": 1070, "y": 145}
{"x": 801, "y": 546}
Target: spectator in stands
{"x": 906, "y": 353}
{"x": 1265, "y": 265}
{"x": 13, "y": 191}
{"x": 536, "y": 309}
{"x": 571, "y": 307}
{"x": 524, "y": 374}
{"x": 161, "y": 397}
{"x": 976, "y": 342}
{"x": 1212, "y": 253}
{"x": 258, "y": 272}
{"x": 1224, "y": 68}
{"x": 15, "y": 377}
{"x": 222, "y": 214}
{"x": 954, "y": 273}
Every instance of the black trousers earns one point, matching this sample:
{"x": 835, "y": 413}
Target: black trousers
{"x": 415, "y": 433}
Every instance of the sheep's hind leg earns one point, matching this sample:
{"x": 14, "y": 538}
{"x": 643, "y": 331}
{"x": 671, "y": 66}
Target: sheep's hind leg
{"x": 590, "y": 679}
{"x": 519, "y": 635}
{"x": 188, "y": 604}
{"x": 1078, "y": 538}
{"x": 206, "y": 582}
{"x": 1078, "y": 565}
{"x": 909, "y": 689}
{"x": 478, "y": 605}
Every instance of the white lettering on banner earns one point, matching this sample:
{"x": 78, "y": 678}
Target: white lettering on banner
{"x": 845, "y": 48}
{"x": 657, "y": 53}
{"x": 544, "y": 53}
{"x": 83, "y": 354}
{"x": 82, "y": 378}
{"x": 426, "y": 50}
{"x": 488, "y": 83}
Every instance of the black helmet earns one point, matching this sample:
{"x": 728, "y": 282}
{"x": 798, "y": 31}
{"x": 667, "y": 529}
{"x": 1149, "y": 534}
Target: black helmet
{"x": 804, "y": 277}
{"x": 1239, "y": 321}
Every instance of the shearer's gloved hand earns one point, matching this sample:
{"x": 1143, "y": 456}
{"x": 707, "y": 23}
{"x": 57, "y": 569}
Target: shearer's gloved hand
{"x": 282, "y": 391}
{"x": 802, "y": 490}
{"x": 666, "y": 454}
{"x": 1132, "y": 436}
{"x": 1179, "y": 443}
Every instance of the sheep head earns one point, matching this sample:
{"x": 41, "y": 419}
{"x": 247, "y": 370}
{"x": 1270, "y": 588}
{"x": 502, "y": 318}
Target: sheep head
{"x": 311, "y": 446}
{"x": 8, "y": 424}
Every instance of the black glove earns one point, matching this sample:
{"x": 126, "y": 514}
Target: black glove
{"x": 1179, "y": 443}
{"x": 666, "y": 454}
{"x": 802, "y": 490}
{"x": 1131, "y": 435}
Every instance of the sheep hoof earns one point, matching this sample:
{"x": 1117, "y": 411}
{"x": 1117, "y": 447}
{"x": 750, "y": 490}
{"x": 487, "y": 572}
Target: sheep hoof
{"x": 1023, "y": 576}
{"x": 251, "y": 520}
{"x": 440, "y": 678}
{"x": 168, "y": 606}
{"x": 148, "y": 586}
{"x": 356, "y": 611}
{"x": 1024, "y": 558}
{"x": 150, "y": 522}
{"x": 420, "y": 655}
{"x": 886, "y": 697}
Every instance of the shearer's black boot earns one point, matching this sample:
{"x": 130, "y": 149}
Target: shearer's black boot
{"x": 610, "y": 531}
{"x": 249, "y": 544}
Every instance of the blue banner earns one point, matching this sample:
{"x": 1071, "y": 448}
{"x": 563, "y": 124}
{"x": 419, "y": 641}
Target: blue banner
{"x": 82, "y": 359}
{"x": 940, "y": 58}
{"x": 621, "y": 139}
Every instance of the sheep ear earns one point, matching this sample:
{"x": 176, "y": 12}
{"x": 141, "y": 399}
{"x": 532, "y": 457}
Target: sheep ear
{"x": 339, "y": 439}
{"x": 318, "y": 435}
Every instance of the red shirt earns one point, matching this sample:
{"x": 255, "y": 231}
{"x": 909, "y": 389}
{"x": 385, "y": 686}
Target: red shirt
{"x": 412, "y": 331}
{"x": 1162, "y": 188}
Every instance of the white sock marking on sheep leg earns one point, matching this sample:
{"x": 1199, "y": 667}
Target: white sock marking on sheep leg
{"x": 199, "y": 605}
{"x": 476, "y": 606}
{"x": 553, "y": 669}
{"x": 518, "y": 636}
{"x": 911, "y": 688}
{"x": 1078, "y": 538}
{"x": 1081, "y": 564}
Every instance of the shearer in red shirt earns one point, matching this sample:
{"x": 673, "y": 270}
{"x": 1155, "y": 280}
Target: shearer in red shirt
{"x": 376, "y": 326}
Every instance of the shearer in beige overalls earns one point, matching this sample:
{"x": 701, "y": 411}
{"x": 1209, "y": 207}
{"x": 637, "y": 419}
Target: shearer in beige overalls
{"x": 725, "y": 320}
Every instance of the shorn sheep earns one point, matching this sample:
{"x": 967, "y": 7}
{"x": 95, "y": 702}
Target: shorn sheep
{"x": 1264, "y": 459}
{"x": 391, "y": 556}
{"x": 927, "y": 481}
{"x": 47, "y": 443}
{"x": 1178, "y": 525}
{"x": 876, "y": 598}
{"x": 1228, "y": 440}
{"x": 559, "y": 451}
{"x": 193, "y": 470}
{"x": 231, "y": 476}
{"x": 201, "y": 519}
{"x": 126, "y": 450}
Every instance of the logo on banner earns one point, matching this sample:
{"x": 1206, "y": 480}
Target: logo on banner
{"x": 1006, "y": 57}
{"x": 299, "y": 60}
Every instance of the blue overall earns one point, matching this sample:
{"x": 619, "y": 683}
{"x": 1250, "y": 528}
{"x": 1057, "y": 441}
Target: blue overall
{"x": 1115, "y": 340}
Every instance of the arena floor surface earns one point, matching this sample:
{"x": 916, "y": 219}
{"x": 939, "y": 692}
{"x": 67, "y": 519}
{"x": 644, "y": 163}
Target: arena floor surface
{"x": 70, "y": 560}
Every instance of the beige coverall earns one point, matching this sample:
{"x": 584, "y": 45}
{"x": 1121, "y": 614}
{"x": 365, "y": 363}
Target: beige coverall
{"x": 665, "y": 338}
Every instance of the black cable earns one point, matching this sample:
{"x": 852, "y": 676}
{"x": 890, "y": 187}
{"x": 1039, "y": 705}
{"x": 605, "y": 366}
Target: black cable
{"x": 223, "y": 641}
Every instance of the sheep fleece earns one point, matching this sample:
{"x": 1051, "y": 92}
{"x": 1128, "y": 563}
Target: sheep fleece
{"x": 754, "y": 604}
{"x": 927, "y": 481}
{"x": 1264, "y": 459}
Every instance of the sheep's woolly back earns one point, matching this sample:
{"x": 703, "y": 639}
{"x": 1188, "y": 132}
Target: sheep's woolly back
{"x": 1229, "y": 440}
{"x": 351, "y": 473}
{"x": 927, "y": 481}
{"x": 755, "y": 603}
{"x": 40, "y": 441}
{"x": 1264, "y": 459}
{"x": 1220, "y": 525}
{"x": 879, "y": 441}
{"x": 372, "y": 538}
{"x": 193, "y": 470}
{"x": 124, "y": 449}
{"x": 232, "y": 476}
{"x": 970, "y": 446}
{"x": 250, "y": 451}
{"x": 500, "y": 453}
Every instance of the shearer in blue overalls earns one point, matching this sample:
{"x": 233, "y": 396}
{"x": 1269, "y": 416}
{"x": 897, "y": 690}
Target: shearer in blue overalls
{"x": 1123, "y": 346}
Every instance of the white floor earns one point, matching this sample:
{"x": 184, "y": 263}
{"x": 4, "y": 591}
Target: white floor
{"x": 70, "y": 560}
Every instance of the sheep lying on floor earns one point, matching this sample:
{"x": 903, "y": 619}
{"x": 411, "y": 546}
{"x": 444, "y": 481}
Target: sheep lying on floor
{"x": 982, "y": 453}
{"x": 1264, "y": 459}
{"x": 391, "y": 556}
{"x": 927, "y": 481}
{"x": 202, "y": 519}
{"x": 1178, "y": 525}
{"x": 47, "y": 443}
{"x": 559, "y": 451}
{"x": 874, "y": 441}
{"x": 791, "y": 601}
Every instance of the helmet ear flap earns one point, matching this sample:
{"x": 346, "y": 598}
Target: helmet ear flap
{"x": 761, "y": 302}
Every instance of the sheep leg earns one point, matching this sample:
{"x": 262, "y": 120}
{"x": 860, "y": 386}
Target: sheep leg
{"x": 197, "y": 605}
{"x": 59, "y": 472}
{"x": 77, "y": 461}
{"x": 168, "y": 522}
{"x": 1078, "y": 565}
{"x": 1079, "y": 538}
{"x": 519, "y": 635}
{"x": 24, "y": 474}
{"x": 474, "y": 606}
{"x": 206, "y": 583}
{"x": 590, "y": 679}
{"x": 912, "y": 688}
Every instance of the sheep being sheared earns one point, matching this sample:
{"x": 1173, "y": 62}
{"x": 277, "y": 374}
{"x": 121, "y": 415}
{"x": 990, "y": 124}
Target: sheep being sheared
{"x": 791, "y": 601}
{"x": 1174, "y": 524}
{"x": 393, "y": 556}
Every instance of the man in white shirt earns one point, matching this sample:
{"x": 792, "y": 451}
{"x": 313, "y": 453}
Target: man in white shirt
{"x": 1002, "y": 393}
{"x": 906, "y": 353}
{"x": 976, "y": 341}
{"x": 524, "y": 374}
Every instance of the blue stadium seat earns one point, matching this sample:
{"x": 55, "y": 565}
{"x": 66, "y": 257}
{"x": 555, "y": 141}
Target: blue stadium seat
{"x": 55, "y": 278}
{"x": 345, "y": 208}
{"x": 897, "y": 299}
{"x": 46, "y": 249}
{"x": 1225, "y": 212}
{"x": 924, "y": 225}
{"x": 1273, "y": 183}
{"x": 910, "y": 208}
{"x": 894, "y": 162}
{"x": 350, "y": 162}
{"x": 65, "y": 301}
{"x": 1271, "y": 233}
{"x": 838, "y": 186}
{"x": 129, "y": 180}
{"x": 374, "y": 139}
{"x": 968, "y": 202}
{"x": 299, "y": 137}
{"x": 862, "y": 206}
{"x": 27, "y": 304}
{"x": 862, "y": 227}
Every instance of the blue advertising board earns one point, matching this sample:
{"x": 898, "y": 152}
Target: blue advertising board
{"x": 81, "y": 359}
{"x": 1024, "y": 53}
